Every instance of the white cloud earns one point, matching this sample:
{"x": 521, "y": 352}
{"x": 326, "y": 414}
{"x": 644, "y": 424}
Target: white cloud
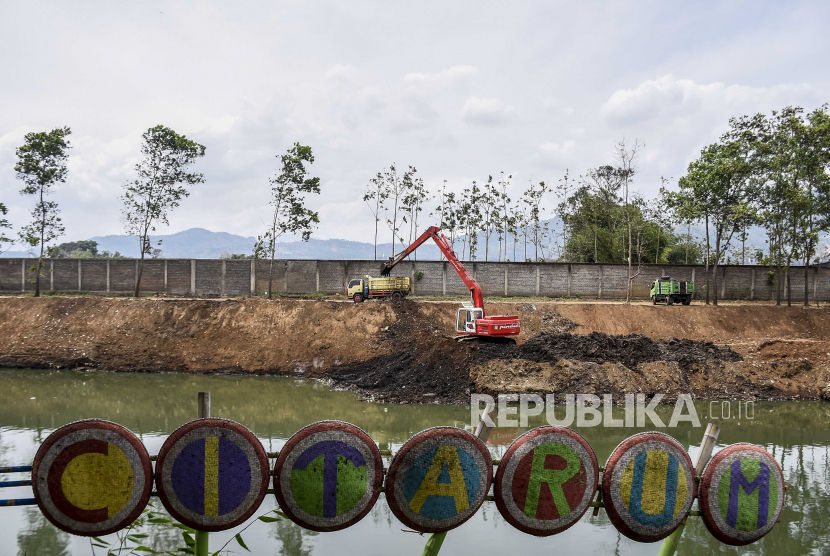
{"x": 683, "y": 99}
{"x": 485, "y": 111}
{"x": 447, "y": 76}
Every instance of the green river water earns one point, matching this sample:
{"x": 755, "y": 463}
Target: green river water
{"x": 33, "y": 403}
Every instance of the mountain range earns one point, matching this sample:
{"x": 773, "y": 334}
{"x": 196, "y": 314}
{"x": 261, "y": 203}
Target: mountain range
{"x": 199, "y": 243}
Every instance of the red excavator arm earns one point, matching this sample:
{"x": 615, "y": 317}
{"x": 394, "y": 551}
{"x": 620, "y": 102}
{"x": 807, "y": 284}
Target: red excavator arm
{"x": 434, "y": 232}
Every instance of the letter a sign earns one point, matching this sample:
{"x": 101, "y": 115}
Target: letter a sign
{"x": 439, "y": 479}
{"x": 741, "y": 494}
{"x": 546, "y": 480}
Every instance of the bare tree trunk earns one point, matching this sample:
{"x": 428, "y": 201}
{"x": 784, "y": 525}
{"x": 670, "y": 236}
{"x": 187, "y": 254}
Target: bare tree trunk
{"x": 657, "y": 255}
{"x": 715, "y": 277}
{"x": 707, "y": 259}
{"x": 806, "y": 282}
{"x": 140, "y": 270}
{"x": 271, "y": 275}
{"x": 789, "y": 284}
{"x": 42, "y": 236}
{"x": 376, "y": 236}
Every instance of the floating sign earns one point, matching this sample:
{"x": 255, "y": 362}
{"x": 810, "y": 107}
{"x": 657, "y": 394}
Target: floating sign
{"x": 439, "y": 479}
{"x": 741, "y": 494}
{"x": 92, "y": 477}
{"x": 328, "y": 476}
{"x": 212, "y": 474}
{"x": 648, "y": 486}
{"x": 546, "y": 480}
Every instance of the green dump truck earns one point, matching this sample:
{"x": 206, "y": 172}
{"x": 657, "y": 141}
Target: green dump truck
{"x": 668, "y": 291}
{"x": 367, "y": 288}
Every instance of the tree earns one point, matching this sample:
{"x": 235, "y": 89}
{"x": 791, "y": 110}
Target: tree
{"x": 627, "y": 156}
{"x": 533, "y": 198}
{"x": 4, "y": 225}
{"x": 41, "y": 164}
{"x": 489, "y": 212}
{"x": 659, "y": 213}
{"x": 396, "y": 186}
{"x": 163, "y": 177}
{"x": 469, "y": 219}
{"x": 519, "y": 222}
{"x": 290, "y": 214}
{"x": 716, "y": 187}
{"x": 505, "y": 224}
{"x": 448, "y": 214}
{"x": 376, "y": 194}
{"x": 415, "y": 195}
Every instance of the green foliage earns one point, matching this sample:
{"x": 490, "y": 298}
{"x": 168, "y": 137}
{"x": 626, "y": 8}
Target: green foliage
{"x": 41, "y": 164}
{"x": 163, "y": 177}
{"x": 375, "y": 197}
{"x": 288, "y": 191}
{"x": 5, "y": 241}
{"x": 595, "y": 222}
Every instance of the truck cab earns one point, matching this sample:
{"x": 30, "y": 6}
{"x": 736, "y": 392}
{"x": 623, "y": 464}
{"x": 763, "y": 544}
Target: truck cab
{"x": 357, "y": 287}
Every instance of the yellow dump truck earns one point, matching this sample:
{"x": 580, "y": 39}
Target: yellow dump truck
{"x": 367, "y": 287}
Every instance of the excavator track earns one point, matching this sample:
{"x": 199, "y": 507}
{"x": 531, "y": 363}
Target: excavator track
{"x": 467, "y": 338}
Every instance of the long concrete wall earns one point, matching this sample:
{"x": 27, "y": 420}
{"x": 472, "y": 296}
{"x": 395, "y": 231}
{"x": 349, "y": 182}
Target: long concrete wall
{"x": 230, "y": 277}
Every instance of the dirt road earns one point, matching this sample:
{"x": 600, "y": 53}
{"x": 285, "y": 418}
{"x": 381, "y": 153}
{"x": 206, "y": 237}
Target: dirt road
{"x": 405, "y": 352}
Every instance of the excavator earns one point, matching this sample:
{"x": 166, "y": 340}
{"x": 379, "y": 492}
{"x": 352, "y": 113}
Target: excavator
{"x": 471, "y": 322}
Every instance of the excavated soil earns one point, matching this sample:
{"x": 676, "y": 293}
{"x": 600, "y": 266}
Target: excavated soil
{"x": 405, "y": 352}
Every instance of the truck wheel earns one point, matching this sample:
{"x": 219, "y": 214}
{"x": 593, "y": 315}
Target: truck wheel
{"x": 397, "y": 296}
{"x": 358, "y": 298}
{"x": 669, "y": 300}
{"x": 687, "y": 301}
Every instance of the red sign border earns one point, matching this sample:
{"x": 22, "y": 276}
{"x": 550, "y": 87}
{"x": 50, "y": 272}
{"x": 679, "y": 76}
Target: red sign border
{"x": 417, "y": 440}
{"x": 706, "y": 483}
{"x": 212, "y": 422}
{"x": 120, "y": 430}
{"x": 322, "y": 426}
{"x": 518, "y": 443}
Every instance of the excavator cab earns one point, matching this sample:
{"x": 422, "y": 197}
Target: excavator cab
{"x": 465, "y": 319}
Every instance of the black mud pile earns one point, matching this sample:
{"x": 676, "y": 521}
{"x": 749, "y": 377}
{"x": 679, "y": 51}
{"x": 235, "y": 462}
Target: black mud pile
{"x": 422, "y": 366}
{"x": 630, "y": 350}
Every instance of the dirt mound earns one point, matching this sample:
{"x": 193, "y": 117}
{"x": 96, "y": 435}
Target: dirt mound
{"x": 421, "y": 364}
{"x": 405, "y": 352}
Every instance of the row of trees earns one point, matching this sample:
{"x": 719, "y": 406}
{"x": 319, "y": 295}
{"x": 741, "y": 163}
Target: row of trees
{"x": 164, "y": 178}
{"x": 479, "y": 213}
{"x": 768, "y": 171}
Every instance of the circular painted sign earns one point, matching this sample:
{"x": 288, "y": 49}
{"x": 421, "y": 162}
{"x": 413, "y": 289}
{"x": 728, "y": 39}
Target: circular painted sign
{"x": 328, "y": 476}
{"x": 741, "y": 494}
{"x": 92, "y": 477}
{"x": 648, "y": 486}
{"x": 212, "y": 474}
{"x": 439, "y": 479}
{"x": 546, "y": 480}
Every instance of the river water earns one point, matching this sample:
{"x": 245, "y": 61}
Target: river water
{"x": 33, "y": 403}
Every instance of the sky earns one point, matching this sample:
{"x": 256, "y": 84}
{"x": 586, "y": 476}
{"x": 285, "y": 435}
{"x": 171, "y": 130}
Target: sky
{"x": 459, "y": 90}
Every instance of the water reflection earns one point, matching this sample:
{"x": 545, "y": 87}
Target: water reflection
{"x": 33, "y": 403}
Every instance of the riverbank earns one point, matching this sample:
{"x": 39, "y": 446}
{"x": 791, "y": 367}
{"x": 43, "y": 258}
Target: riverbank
{"x": 404, "y": 353}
